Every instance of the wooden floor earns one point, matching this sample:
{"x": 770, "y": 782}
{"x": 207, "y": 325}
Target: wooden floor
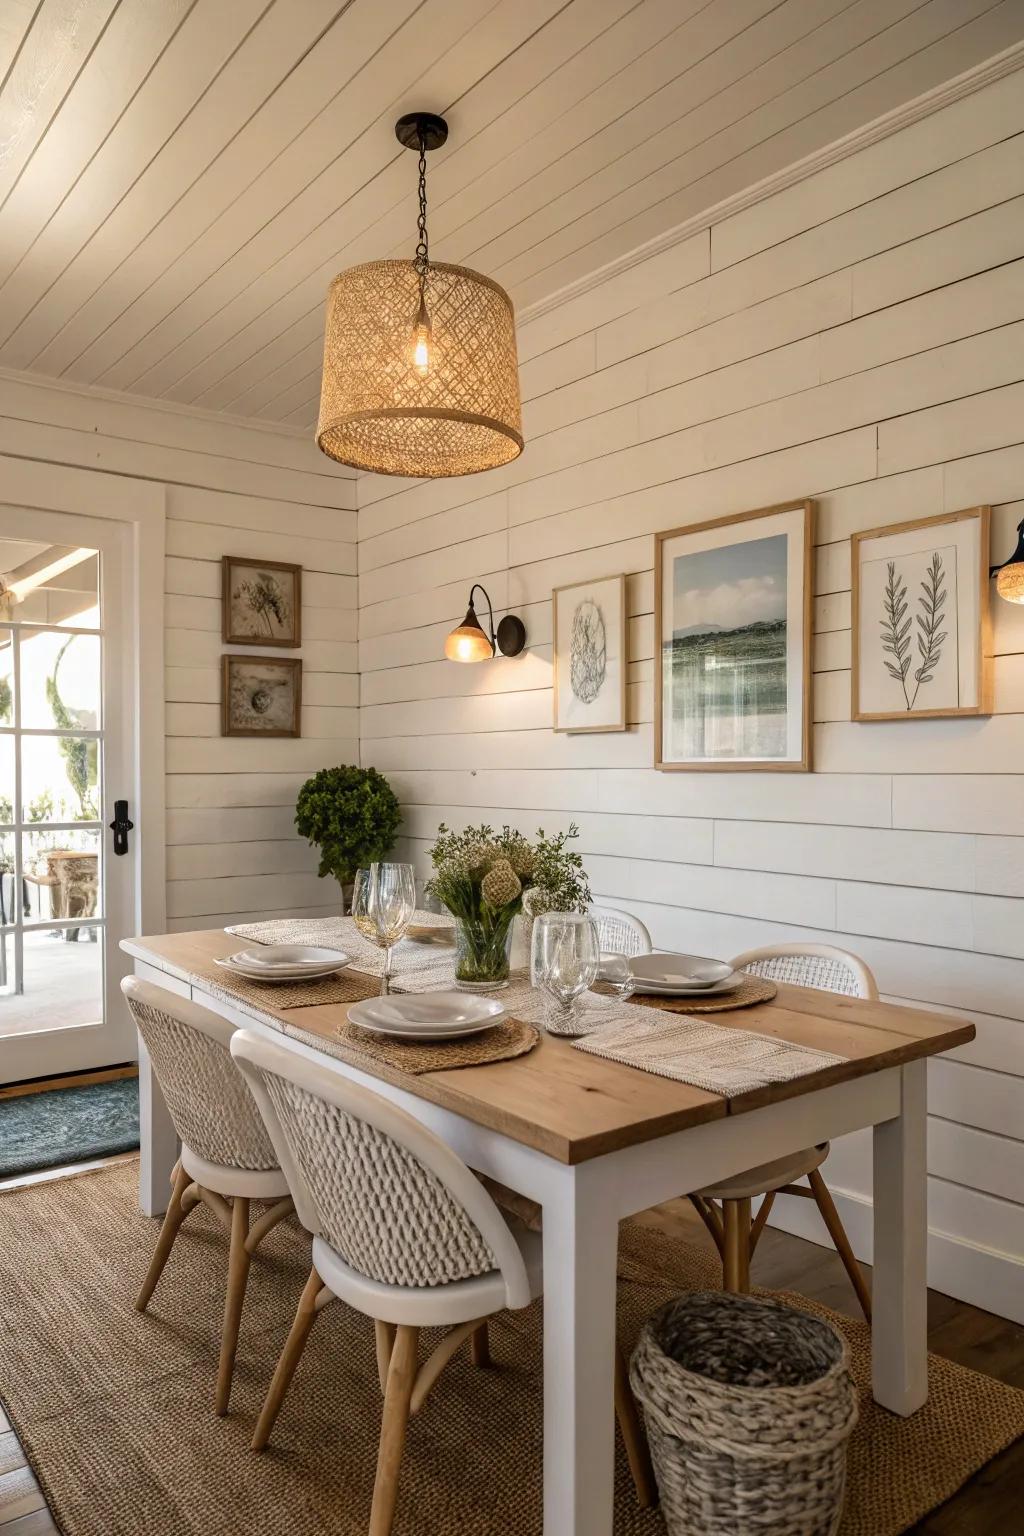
{"x": 990, "y": 1505}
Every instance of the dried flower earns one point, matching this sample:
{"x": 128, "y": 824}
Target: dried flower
{"x": 501, "y": 885}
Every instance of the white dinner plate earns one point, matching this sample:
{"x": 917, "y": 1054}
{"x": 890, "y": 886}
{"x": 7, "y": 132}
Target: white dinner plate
{"x": 275, "y": 974}
{"x": 427, "y": 1015}
{"x": 717, "y": 989}
{"x": 680, "y": 972}
{"x": 300, "y": 958}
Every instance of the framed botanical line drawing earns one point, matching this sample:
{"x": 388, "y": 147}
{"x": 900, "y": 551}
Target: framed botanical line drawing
{"x": 262, "y": 602}
{"x": 922, "y": 639}
{"x": 588, "y": 620}
{"x": 261, "y": 696}
{"x": 732, "y": 633}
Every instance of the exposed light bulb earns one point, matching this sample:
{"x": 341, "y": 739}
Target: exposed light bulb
{"x": 421, "y": 349}
{"x": 1010, "y": 582}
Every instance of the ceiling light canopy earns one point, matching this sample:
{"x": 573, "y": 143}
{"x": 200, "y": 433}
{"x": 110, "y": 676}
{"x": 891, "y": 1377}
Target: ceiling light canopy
{"x": 420, "y": 370}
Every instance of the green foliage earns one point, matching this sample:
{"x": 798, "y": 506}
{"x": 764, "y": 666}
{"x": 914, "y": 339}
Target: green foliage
{"x": 6, "y": 698}
{"x": 41, "y": 808}
{"x": 79, "y": 756}
{"x": 352, "y": 815}
{"x": 464, "y": 861}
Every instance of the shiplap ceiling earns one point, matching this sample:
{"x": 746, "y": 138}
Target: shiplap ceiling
{"x": 180, "y": 179}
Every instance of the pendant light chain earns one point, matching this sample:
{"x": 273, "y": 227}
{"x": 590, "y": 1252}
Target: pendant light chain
{"x": 422, "y": 260}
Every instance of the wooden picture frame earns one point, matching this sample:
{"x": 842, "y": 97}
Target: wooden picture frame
{"x": 277, "y": 677}
{"x": 921, "y": 638}
{"x": 246, "y": 621}
{"x": 795, "y": 521}
{"x": 605, "y": 600}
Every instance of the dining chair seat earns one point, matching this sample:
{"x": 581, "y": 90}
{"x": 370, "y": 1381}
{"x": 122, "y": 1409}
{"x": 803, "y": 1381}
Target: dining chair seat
{"x": 403, "y": 1232}
{"x": 725, "y": 1208}
{"x": 227, "y": 1159}
{"x": 768, "y": 1178}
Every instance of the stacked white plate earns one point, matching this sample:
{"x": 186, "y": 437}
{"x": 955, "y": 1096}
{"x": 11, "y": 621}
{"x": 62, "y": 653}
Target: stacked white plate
{"x": 671, "y": 975}
{"x": 426, "y": 1015}
{"x": 284, "y": 962}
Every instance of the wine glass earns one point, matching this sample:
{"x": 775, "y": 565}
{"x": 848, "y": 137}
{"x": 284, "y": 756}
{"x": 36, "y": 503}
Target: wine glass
{"x": 383, "y": 903}
{"x": 564, "y": 962}
{"x": 618, "y": 973}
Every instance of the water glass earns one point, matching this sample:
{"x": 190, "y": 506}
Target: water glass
{"x": 564, "y": 963}
{"x": 383, "y": 902}
{"x": 618, "y": 973}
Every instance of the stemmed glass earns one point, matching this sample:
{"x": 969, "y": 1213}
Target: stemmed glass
{"x": 564, "y": 962}
{"x": 618, "y": 973}
{"x": 383, "y": 902}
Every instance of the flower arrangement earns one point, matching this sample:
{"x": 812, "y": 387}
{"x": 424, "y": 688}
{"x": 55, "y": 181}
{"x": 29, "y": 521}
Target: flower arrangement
{"x": 481, "y": 877}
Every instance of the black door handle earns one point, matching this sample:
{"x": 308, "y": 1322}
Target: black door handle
{"x": 121, "y": 826}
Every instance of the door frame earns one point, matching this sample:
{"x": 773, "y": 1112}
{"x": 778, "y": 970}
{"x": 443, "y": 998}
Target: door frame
{"x": 141, "y": 506}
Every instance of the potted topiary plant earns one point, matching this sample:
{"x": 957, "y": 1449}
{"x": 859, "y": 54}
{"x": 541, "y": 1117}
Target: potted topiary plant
{"x": 352, "y": 815}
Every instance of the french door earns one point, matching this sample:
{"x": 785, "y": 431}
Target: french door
{"x": 66, "y": 760}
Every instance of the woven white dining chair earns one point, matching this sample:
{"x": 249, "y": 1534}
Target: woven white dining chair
{"x": 620, "y": 933}
{"x": 725, "y": 1208}
{"x": 402, "y": 1231}
{"x": 226, "y": 1154}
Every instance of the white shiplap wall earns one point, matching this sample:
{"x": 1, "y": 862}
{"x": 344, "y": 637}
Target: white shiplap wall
{"x": 232, "y": 488}
{"x": 859, "y": 338}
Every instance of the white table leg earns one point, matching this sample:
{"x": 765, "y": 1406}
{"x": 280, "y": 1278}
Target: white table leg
{"x": 899, "y": 1341}
{"x": 158, "y": 1141}
{"x": 580, "y": 1250}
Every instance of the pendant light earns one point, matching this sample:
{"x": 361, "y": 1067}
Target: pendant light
{"x": 420, "y": 370}
{"x": 1010, "y": 575}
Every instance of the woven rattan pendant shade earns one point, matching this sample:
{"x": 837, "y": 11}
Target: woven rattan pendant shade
{"x": 379, "y": 412}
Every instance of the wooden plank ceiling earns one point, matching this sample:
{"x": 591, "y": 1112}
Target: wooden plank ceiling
{"x": 180, "y": 179}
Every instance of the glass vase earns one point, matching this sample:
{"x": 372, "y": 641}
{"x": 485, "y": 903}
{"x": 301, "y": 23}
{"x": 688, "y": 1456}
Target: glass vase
{"x": 482, "y": 950}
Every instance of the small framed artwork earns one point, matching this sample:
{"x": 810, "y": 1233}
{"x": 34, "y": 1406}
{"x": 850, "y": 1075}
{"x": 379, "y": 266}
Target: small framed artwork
{"x": 732, "y": 627}
{"x": 922, "y": 635}
{"x": 261, "y": 696}
{"x": 262, "y": 602}
{"x": 589, "y": 633}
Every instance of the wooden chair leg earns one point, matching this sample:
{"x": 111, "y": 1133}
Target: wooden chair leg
{"x": 736, "y": 1260}
{"x": 758, "y": 1224}
{"x": 305, "y": 1317}
{"x": 173, "y": 1218}
{"x": 480, "y": 1346}
{"x": 633, "y": 1436}
{"x": 709, "y": 1216}
{"x": 385, "y": 1333}
{"x": 239, "y": 1260}
{"x": 837, "y": 1232}
{"x": 401, "y": 1379}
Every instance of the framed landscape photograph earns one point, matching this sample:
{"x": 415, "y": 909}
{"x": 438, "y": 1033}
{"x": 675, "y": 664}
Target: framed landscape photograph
{"x": 922, "y": 637}
{"x": 732, "y": 627}
{"x": 261, "y": 696}
{"x": 589, "y": 645}
{"x": 262, "y": 602}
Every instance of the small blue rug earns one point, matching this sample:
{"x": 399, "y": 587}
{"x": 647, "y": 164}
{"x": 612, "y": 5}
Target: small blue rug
{"x": 68, "y": 1125}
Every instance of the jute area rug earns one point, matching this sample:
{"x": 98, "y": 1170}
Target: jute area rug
{"x": 115, "y": 1410}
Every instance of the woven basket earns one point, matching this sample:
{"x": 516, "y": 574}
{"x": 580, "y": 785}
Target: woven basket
{"x": 749, "y": 1405}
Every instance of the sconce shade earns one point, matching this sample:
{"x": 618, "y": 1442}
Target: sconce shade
{"x": 1010, "y": 582}
{"x": 382, "y": 410}
{"x": 468, "y": 642}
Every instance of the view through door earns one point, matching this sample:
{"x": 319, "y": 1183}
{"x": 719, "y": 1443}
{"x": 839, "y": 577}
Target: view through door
{"x": 65, "y": 759}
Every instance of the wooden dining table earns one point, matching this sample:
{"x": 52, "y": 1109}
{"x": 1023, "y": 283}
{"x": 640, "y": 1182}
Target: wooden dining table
{"x": 594, "y": 1142}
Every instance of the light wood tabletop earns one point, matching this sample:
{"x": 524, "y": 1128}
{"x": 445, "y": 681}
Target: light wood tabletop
{"x": 573, "y": 1106}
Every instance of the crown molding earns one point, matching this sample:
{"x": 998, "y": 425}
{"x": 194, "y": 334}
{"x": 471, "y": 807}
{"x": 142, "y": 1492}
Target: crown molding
{"x": 149, "y": 403}
{"x": 925, "y": 105}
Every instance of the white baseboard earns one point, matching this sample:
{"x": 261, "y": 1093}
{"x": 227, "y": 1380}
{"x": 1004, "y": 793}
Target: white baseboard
{"x": 981, "y": 1276}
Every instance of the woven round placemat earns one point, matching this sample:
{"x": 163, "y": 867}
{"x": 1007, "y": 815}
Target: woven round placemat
{"x": 343, "y": 987}
{"x": 508, "y": 1039}
{"x": 754, "y": 989}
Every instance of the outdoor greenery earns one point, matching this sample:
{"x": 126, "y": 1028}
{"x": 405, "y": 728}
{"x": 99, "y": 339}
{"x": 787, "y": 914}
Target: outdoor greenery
{"x": 79, "y": 756}
{"x": 6, "y": 699}
{"x": 352, "y": 815}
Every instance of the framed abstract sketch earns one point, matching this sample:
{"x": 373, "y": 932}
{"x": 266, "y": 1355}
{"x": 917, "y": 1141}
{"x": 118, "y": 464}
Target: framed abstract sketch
{"x": 261, "y": 696}
{"x": 732, "y": 627}
{"x": 262, "y": 602}
{"x": 589, "y": 634}
{"x": 922, "y": 640}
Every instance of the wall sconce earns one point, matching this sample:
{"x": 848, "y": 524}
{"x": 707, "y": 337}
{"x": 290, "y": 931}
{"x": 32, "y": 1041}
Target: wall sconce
{"x": 1010, "y": 575}
{"x": 470, "y": 642}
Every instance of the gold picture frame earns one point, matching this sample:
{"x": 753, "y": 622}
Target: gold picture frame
{"x": 721, "y": 586}
{"x": 921, "y": 618}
